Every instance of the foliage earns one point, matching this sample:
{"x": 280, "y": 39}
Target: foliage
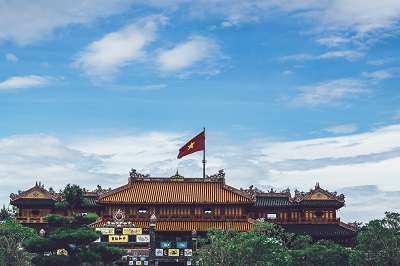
{"x": 379, "y": 241}
{"x": 301, "y": 241}
{"x": 73, "y": 196}
{"x": 53, "y": 260}
{"x": 322, "y": 252}
{"x": 242, "y": 248}
{"x": 78, "y": 242}
{"x": 274, "y": 231}
{"x": 60, "y": 205}
{"x": 11, "y": 236}
{"x": 57, "y": 220}
{"x": 62, "y": 238}
{"x": 101, "y": 253}
{"x": 5, "y": 213}
{"x": 84, "y": 219}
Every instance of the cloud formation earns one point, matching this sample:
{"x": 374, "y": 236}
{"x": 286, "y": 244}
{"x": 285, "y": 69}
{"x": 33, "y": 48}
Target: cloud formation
{"x": 188, "y": 53}
{"x": 11, "y": 57}
{"x": 358, "y": 165}
{"x": 342, "y": 129}
{"x": 330, "y": 92}
{"x": 103, "y": 57}
{"x": 23, "y": 82}
{"x": 25, "y": 21}
{"x": 346, "y": 54}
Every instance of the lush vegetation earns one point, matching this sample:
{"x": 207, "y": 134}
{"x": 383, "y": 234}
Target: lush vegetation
{"x": 66, "y": 241}
{"x": 268, "y": 244}
{"x": 12, "y": 234}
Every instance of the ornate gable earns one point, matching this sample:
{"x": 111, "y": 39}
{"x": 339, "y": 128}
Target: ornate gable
{"x": 36, "y": 192}
{"x": 319, "y": 197}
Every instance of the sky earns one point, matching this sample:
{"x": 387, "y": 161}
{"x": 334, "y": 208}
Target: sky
{"x": 291, "y": 93}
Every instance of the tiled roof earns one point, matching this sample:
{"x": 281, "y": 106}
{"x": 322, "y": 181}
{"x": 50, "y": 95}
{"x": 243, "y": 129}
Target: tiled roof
{"x": 320, "y": 230}
{"x": 321, "y": 203}
{"x": 90, "y": 201}
{"x": 200, "y": 226}
{"x": 162, "y": 190}
{"x": 37, "y": 192}
{"x": 272, "y": 201}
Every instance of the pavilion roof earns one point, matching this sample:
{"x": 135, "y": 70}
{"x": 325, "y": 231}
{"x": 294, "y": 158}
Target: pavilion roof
{"x": 177, "y": 190}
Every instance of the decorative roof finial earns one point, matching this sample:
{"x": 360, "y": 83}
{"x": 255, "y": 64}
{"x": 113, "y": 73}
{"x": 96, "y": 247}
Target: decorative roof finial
{"x": 317, "y": 185}
{"x": 177, "y": 175}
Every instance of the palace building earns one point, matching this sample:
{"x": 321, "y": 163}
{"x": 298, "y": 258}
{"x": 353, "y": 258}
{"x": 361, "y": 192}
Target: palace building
{"x": 180, "y": 209}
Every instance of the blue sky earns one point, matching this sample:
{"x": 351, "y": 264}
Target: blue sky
{"x": 291, "y": 93}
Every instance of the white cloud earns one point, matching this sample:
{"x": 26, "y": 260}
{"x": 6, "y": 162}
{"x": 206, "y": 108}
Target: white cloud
{"x": 333, "y": 41}
{"x": 347, "y": 21}
{"x": 103, "y": 57}
{"x": 361, "y": 16}
{"x": 11, "y": 57}
{"x": 342, "y": 129}
{"x": 333, "y": 91}
{"x": 379, "y": 74}
{"x": 186, "y": 54}
{"x": 23, "y": 82}
{"x": 346, "y": 54}
{"x": 380, "y": 62}
{"x": 341, "y": 163}
{"x": 25, "y": 21}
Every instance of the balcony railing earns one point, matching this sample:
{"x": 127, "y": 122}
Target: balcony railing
{"x": 31, "y": 220}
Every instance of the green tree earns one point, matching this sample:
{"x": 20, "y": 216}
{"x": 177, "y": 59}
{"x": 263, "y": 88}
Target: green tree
{"x": 224, "y": 248}
{"x": 5, "y": 213}
{"x": 11, "y": 236}
{"x": 322, "y": 252}
{"x": 379, "y": 241}
{"x": 73, "y": 196}
{"x": 71, "y": 235}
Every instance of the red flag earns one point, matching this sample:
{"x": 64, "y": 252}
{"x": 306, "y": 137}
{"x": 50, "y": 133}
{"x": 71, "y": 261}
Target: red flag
{"x": 195, "y": 144}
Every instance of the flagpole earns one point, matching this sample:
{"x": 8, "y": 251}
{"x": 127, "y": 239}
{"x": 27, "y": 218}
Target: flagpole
{"x": 204, "y": 155}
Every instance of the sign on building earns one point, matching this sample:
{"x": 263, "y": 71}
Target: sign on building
{"x": 159, "y": 252}
{"x": 132, "y": 231}
{"x": 106, "y": 231}
{"x": 118, "y": 238}
{"x": 173, "y": 252}
{"x": 143, "y": 238}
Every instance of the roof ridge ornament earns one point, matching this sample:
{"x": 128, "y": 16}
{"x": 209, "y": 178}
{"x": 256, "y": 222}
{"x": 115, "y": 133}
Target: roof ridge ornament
{"x": 135, "y": 175}
{"x": 177, "y": 175}
{"x": 219, "y": 175}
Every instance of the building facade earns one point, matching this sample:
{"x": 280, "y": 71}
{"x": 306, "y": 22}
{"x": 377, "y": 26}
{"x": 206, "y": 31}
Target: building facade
{"x": 181, "y": 209}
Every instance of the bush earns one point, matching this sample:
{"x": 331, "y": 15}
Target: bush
{"x": 53, "y": 260}
{"x": 84, "y": 219}
{"x": 323, "y": 252}
{"x": 57, "y": 220}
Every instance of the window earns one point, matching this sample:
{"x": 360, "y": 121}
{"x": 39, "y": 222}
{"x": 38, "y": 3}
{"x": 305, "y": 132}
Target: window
{"x": 207, "y": 211}
{"x": 35, "y": 212}
{"x": 271, "y": 216}
{"x": 319, "y": 214}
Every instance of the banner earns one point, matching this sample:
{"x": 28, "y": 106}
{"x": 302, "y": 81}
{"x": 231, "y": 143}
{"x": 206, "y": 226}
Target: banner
{"x": 159, "y": 252}
{"x": 118, "y": 239}
{"x": 188, "y": 252}
{"x": 106, "y": 231}
{"x": 143, "y": 238}
{"x": 173, "y": 252}
{"x": 132, "y": 231}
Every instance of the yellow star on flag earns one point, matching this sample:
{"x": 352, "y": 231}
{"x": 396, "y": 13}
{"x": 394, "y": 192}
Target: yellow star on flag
{"x": 191, "y": 145}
